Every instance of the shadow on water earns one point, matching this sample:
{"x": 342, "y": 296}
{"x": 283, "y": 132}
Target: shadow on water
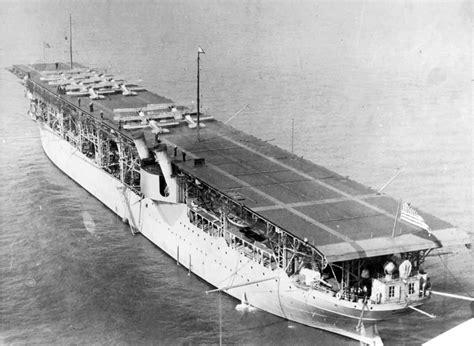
{"x": 89, "y": 223}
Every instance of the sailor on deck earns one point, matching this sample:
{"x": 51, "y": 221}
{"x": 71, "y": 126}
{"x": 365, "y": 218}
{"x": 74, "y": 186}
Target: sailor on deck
{"x": 425, "y": 283}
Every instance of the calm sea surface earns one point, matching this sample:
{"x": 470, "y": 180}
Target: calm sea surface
{"x": 372, "y": 87}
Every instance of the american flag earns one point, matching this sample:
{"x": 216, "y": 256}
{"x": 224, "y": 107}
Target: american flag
{"x": 410, "y": 215}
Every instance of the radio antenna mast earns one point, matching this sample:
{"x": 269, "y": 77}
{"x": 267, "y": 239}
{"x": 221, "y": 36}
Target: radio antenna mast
{"x": 70, "y": 38}
{"x": 200, "y": 51}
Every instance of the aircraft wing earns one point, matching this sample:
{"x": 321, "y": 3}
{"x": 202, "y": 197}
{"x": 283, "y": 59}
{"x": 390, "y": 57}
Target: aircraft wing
{"x": 78, "y": 93}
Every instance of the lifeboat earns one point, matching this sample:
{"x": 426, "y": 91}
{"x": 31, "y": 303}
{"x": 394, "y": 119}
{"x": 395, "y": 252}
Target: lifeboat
{"x": 237, "y": 221}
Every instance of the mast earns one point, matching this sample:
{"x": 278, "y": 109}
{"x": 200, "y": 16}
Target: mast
{"x": 200, "y": 51}
{"x": 70, "y": 38}
{"x": 292, "y": 134}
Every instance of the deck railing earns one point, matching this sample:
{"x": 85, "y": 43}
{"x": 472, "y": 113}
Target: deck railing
{"x": 212, "y": 225}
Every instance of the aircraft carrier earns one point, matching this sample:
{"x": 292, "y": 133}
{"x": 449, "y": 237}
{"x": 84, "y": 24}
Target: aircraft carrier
{"x": 279, "y": 232}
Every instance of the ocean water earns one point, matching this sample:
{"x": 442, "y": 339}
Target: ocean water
{"x": 372, "y": 87}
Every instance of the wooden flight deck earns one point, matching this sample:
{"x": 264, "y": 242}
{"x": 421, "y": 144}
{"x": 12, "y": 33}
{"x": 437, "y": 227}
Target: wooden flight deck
{"x": 344, "y": 219}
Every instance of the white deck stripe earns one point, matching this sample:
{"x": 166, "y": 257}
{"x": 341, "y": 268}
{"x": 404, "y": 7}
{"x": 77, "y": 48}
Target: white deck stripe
{"x": 313, "y": 202}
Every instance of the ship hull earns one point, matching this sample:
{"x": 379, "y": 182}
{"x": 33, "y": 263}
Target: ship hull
{"x": 211, "y": 258}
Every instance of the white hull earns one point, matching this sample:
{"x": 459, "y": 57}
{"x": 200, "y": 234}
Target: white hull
{"x": 167, "y": 226}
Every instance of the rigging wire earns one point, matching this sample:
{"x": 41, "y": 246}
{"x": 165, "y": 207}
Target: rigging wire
{"x": 454, "y": 277}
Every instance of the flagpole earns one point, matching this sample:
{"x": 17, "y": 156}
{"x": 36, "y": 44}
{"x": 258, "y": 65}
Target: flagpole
{"x": 396, "y": 218}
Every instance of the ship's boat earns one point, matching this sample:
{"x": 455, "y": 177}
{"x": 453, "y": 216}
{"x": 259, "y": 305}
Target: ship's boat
{"x": 279, "y": 232}
{"x": 237, "y": 221}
